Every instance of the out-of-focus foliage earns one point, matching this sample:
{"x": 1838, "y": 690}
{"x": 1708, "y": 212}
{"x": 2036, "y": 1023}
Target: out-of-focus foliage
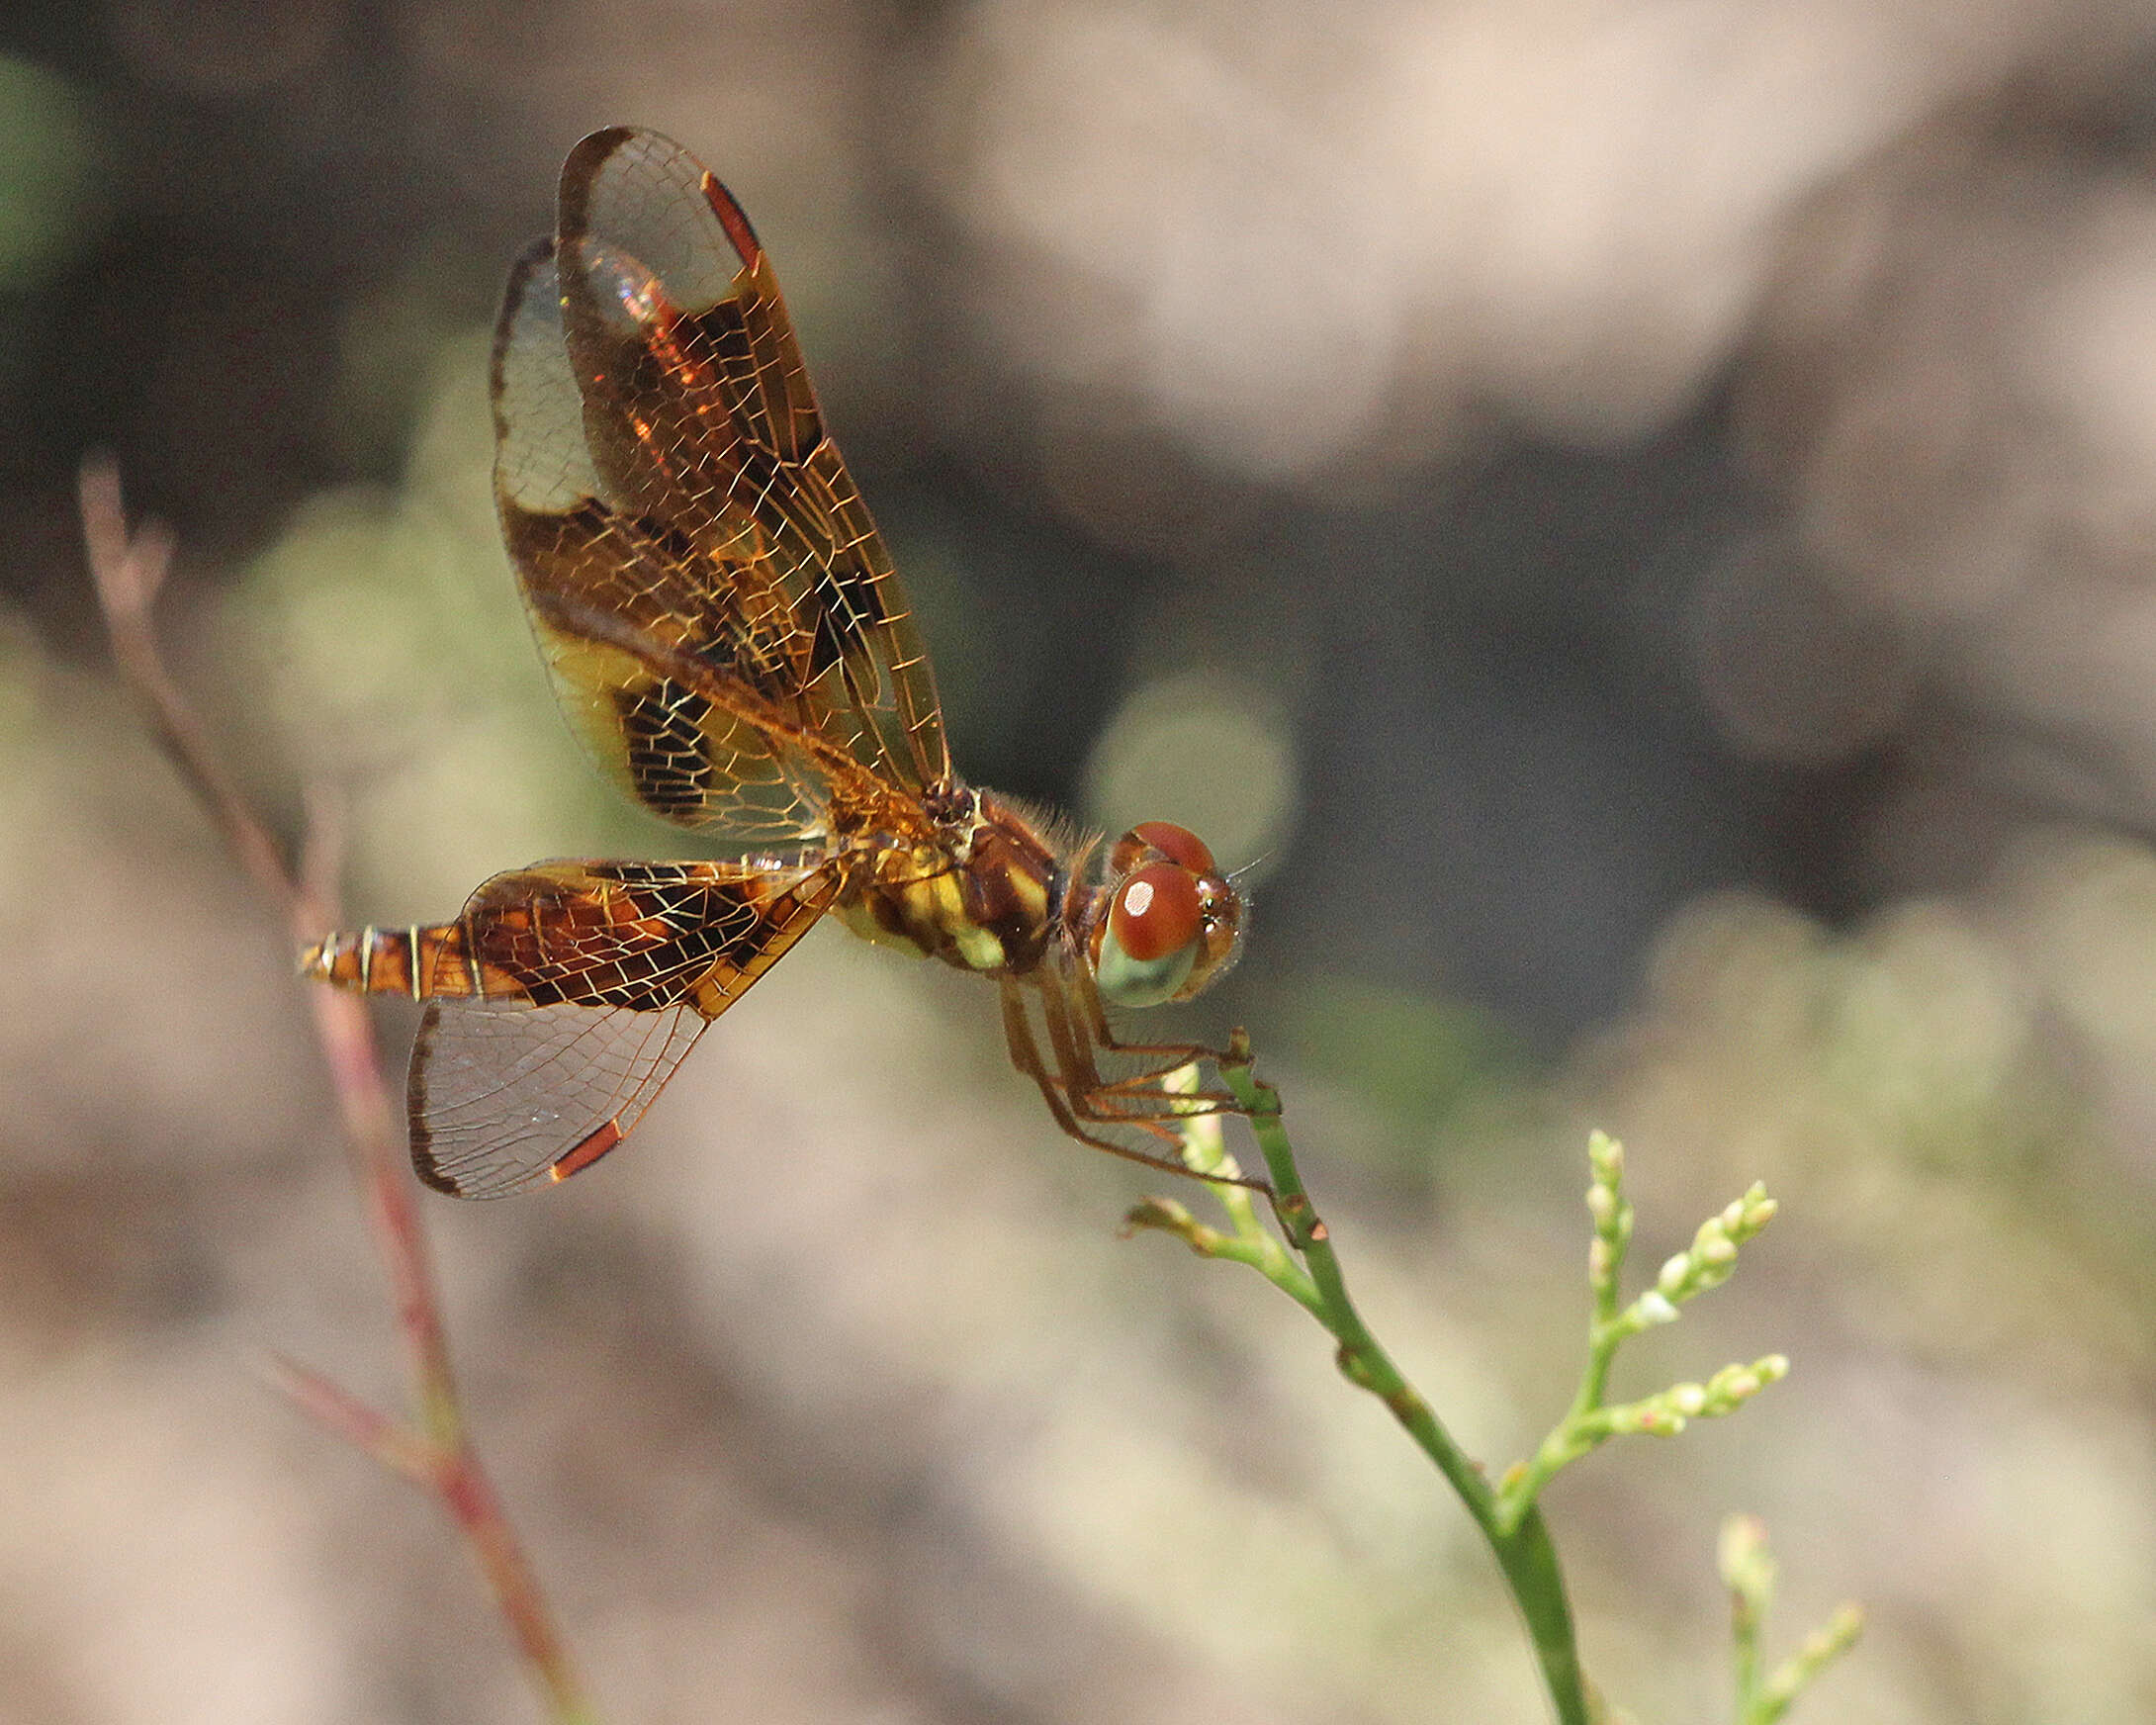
{"x": 1633, "y": 519}
{"x": 49, "y": 191}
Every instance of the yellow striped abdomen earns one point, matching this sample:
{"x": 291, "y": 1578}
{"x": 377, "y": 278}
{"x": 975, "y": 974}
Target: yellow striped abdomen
{"x": 419, "y": 962}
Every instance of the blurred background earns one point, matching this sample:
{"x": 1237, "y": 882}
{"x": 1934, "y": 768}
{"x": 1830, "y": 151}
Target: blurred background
{"x": 1636, "y": 518}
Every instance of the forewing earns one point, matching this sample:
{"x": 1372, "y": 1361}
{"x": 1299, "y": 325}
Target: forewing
{"x": 649, "y": 635}
{"x": 593, "y": 980}
{"x": 698, "y": 415}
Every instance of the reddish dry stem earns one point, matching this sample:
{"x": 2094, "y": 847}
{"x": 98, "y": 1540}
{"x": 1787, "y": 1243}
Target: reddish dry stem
{"x": 470, "y": 1497}
{"x": 348, "y": 1045}
{"x": 338, "y": 1412}
{"x": 128, "y": 570}
{"x": 453, "y": 1475}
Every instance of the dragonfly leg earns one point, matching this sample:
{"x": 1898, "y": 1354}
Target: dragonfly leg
{"x": 1072, "y": 1087}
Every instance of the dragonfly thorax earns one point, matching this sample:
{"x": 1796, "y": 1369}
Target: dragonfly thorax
{"x": 985, "y": 895}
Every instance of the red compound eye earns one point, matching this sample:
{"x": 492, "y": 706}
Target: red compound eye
{"x": 1156, "y": 910}
{"x": 1177, "y": 844}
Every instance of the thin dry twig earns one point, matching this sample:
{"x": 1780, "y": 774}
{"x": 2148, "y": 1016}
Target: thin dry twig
{"x": 435, "y": 1449}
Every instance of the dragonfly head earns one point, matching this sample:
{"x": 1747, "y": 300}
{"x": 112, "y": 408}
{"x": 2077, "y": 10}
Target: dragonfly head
{"x": 1173, "y": 920}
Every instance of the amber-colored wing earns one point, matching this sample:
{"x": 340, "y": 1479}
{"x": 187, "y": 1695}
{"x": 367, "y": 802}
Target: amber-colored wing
{"x": 561, "y": 1000}
{"x": 722, "y": 620}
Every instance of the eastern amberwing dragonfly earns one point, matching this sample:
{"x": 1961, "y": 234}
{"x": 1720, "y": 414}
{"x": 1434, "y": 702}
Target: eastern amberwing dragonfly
{"x": 727, "y": 634}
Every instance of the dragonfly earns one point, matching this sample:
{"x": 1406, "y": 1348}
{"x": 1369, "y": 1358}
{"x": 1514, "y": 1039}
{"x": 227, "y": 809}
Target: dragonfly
{"x": 726, "y": 632}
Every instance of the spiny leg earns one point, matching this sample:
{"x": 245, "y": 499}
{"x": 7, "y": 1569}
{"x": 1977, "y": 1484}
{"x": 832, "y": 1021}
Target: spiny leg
{"x": 1145, "y": 1095}
{"x": 1173, "y": 1055}
{"x": 1082, "y": 1082}
{"x": 1025, "y": 1051}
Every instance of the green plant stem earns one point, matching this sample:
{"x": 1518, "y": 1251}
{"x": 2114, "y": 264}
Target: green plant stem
{"x": 1525, "y": 1554}
{"x": 1745, "y": 1632}
{"x": 1573, "y": 1434}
